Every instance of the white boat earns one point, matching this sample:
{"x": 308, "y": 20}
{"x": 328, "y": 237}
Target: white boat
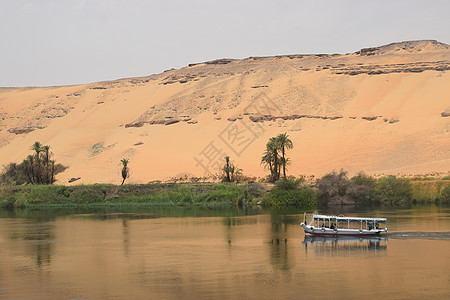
{"x": 327, "y": 225}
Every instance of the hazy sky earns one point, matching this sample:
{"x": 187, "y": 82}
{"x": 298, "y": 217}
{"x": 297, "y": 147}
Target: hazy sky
{"x": 60, "y": 42}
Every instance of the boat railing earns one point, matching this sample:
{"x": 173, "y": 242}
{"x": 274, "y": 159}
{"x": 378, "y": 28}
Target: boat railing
{"x": 342, "y": 222}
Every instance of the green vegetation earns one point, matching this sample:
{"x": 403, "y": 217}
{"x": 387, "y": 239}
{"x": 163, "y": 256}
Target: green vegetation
{"x": 273, "y": 160}
{"x": 35, "y": 169}
{"x": 290, "y": 192}
{"x": 125, "y": 169}
{"x": 126, "y": 195}
{"x": 394, "y": 190}
{"x": 336, "y": 188}
{"x": 230, "y": 173}
{"x": 332, "y": 189}
{"x": 431, "y": 191}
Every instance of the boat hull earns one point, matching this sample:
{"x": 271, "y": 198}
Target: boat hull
{"x": 323, "y": 231}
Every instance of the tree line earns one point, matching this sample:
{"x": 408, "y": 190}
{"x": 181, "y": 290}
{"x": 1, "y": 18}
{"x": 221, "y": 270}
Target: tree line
{"x": 36, "y": 168}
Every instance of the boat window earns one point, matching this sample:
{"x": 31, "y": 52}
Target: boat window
{"x": 355, "y": 224}
{"x": 342, "y": 224}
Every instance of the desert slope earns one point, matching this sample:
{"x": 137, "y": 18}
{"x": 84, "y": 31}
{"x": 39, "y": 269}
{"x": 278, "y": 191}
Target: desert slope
{"x": 380, "y": 110}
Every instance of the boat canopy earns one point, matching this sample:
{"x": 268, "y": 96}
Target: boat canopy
{"x": 351, "y": 219}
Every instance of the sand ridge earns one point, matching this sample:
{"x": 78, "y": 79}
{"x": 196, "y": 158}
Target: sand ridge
{"x": 378, "y": 110}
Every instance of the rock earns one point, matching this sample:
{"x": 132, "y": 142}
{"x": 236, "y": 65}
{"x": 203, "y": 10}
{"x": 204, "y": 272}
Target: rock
{"x": 368, "y": 51}
{"x": 137, "y": 124}
{"x": 21, "y": 130}
{"x": 446, "y": 113}
{"x": 170, "y": 122}
{"x": 290, "y": 117}
{"x": 222, "y": 61}
{"x": 370, "y": 118}
{"x": 73, "y": 179}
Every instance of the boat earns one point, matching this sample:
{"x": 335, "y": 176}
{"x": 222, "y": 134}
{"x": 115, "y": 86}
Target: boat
{"x": 329, "y": 225}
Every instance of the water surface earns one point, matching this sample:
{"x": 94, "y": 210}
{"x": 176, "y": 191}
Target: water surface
{"x": 221, "y": 253}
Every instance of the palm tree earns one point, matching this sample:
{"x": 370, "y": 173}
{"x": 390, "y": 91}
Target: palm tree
{"x": 125, "y": 169}
{"x": 52, "y": 171}
{"x": 36, "y": 147}
{"x": 38, "y": 168}
{"x": 45, "y": 174}
{"x": 284, "y": 143}
{"x": 30, "y": 168}
{"x": 267, "y": 160}
{"x": 230, "y": 171}
{"x": 274, "y": 147}
{"x": 46, "y": 151}
{"x": 27, "y": 166}
{"x": 271, "y": 158}
{"x": 227, "y": 169}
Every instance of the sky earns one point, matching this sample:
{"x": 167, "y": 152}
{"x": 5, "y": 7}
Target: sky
{"x": 65, "y": 42}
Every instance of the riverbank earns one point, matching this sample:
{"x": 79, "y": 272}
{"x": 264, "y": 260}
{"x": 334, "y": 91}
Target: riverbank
{"x": 108, "y": 195}
{"x": 293, "y": 192}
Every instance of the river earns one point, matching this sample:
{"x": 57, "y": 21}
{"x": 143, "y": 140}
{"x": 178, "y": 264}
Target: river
{"x": 247, "y": 253}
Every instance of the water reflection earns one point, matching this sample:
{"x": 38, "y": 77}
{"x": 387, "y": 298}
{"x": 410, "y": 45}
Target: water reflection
{"x": 39, "y": 238}
{"x": 344, "y": 245}
{"x": 279, "y": 250}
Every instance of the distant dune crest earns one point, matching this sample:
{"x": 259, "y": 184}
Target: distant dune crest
{"x": 408, "y": 46}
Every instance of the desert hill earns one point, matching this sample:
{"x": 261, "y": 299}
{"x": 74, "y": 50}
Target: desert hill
{"x": 380, "y": 110}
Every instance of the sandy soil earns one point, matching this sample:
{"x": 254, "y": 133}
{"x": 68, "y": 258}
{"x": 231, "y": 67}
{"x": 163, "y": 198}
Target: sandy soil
{"x": 381, "y": 110}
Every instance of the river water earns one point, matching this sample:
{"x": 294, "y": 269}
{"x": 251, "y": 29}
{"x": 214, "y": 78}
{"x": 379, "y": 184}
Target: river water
{"x": 229, "y": 253}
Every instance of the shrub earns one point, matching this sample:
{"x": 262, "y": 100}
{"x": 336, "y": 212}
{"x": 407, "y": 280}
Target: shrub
{"x": 394, "y": 190}
{"x": 8, "y": 202}
{"x": 20, "y": 200}
{"x": 290, "y": 183}
{"x": 290, "y": 192}
{"x": 303, "y": 196}
{"x": 255, "y": 190}
{"x": 362, "y": 188}
{"x": 426, "y": 191}
{"x": 445, "y": 194}
{"x": 332, "y": 188}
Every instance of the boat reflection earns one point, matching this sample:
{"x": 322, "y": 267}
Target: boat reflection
{"x": 344, "y": 245}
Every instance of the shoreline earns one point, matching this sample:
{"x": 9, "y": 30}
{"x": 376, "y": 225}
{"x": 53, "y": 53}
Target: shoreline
{"x": 198, "y": 194}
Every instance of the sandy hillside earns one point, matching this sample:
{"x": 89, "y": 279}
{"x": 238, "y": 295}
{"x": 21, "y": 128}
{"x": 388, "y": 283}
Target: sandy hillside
{"x": 379, "y": 110}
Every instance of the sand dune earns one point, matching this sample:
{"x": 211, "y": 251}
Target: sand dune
{"x": 379, "y": 110}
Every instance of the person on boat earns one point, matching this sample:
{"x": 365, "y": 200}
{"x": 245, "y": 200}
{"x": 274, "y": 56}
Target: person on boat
{"x": 332, "y": 226}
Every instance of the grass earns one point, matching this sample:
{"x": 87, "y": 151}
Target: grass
{"x": 430, "y": 191}
{"x": 97, "y": 195}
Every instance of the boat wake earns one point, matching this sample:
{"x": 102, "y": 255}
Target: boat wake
{"x": 419, "y": 235}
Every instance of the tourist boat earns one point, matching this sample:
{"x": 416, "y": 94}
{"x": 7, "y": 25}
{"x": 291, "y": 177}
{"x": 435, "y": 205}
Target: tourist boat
{"x": 326, "y": 225}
